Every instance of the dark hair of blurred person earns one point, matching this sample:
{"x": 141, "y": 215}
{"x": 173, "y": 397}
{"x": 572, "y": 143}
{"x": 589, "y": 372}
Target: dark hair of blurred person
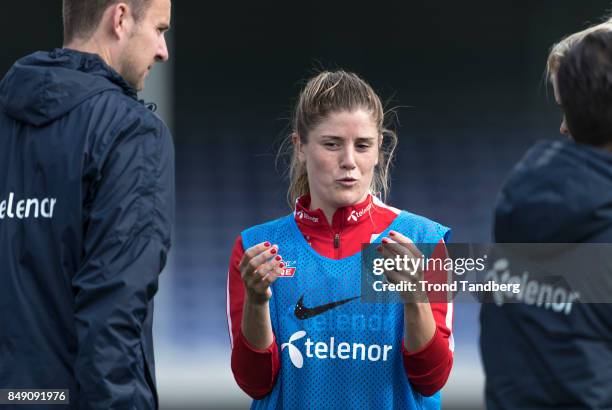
{"x": 584, "y": 83}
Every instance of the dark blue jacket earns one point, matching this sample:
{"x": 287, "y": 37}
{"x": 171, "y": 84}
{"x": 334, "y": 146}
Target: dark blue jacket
{"x": 536, "y": 358}
{"x": 86, "y": 210}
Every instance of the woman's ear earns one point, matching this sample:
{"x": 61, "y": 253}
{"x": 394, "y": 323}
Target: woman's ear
{"x": 298, "y": 147}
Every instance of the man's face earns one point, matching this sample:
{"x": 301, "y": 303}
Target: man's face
{"x": 146, "y": 44}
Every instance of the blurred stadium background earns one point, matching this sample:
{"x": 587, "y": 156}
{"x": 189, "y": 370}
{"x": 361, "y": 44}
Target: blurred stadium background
{"x": 468, "y": 78}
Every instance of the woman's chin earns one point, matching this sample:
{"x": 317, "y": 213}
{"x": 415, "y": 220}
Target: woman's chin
{"x": 348, "y": 199}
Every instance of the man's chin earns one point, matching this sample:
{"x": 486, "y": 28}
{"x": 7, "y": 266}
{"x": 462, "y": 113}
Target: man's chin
{"x": 137, "y": 85}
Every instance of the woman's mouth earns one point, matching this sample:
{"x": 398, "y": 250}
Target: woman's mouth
{"x": 347, "y": 182}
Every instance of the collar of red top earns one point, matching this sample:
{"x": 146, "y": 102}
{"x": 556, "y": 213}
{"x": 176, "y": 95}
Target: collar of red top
{"x": 348, "y": 215}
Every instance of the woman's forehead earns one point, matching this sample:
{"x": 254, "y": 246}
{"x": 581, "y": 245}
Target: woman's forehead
{"x": 346, "y": 121}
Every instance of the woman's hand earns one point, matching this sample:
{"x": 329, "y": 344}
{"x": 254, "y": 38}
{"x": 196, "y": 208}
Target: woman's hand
{"x": 419, "y": 323}
{"x": 402, "y": 246}
{"x": 259, "y": 268}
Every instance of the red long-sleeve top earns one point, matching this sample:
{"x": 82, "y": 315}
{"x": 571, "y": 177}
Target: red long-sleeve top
{"x": 255, "y": 370}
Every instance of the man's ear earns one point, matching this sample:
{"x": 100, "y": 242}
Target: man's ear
{"x": 298, "y": 146}
{"x": 121, "y": 19}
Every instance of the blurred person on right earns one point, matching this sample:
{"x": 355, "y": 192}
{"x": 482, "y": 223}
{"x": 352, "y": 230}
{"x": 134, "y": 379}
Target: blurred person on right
{"x": 560, "y": 192}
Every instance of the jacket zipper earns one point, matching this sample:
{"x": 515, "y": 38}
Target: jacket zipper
{"x": 337, "y": 245}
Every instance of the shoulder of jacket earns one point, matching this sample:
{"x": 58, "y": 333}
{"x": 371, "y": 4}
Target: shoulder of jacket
{"x": 124, "y": 111}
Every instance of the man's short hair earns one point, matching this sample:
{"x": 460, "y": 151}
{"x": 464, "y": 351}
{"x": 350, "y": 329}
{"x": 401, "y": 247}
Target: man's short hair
{"x": 82, "y": 17}
{"x": 585, "y": 88}
{"x": 558, "y": 50}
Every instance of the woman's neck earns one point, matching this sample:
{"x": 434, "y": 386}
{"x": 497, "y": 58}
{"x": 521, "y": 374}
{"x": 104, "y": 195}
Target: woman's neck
{"x": 328, "y": 209}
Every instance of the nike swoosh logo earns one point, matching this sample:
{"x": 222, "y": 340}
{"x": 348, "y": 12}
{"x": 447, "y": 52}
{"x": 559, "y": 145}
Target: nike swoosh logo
{"x": 302, "y": 312}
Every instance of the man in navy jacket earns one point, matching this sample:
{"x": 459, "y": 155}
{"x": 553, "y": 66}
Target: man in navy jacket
{"x": 86, "y": 209}
{"x": 539, "y": 357}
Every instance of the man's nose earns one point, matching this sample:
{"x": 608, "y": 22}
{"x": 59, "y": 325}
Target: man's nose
{"x": 162, "y": 53}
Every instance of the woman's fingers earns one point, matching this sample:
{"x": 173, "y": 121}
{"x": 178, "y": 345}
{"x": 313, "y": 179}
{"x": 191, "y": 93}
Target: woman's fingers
{"x": 406, "y": 243}
{"x": 271, "y": 268}
{"x": 405, "y": 255}
{"x": 251, "y": 253}
{"x": 256, "y": 256}
{"x": 269, "y": 265}
{"x": 401, "y": 245}
{"x": 264, "y": 283}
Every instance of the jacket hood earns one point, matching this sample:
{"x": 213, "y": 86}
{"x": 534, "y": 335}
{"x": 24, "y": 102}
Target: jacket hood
{"x": 560, "y": 192}
{"x": 44, "y": 86}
